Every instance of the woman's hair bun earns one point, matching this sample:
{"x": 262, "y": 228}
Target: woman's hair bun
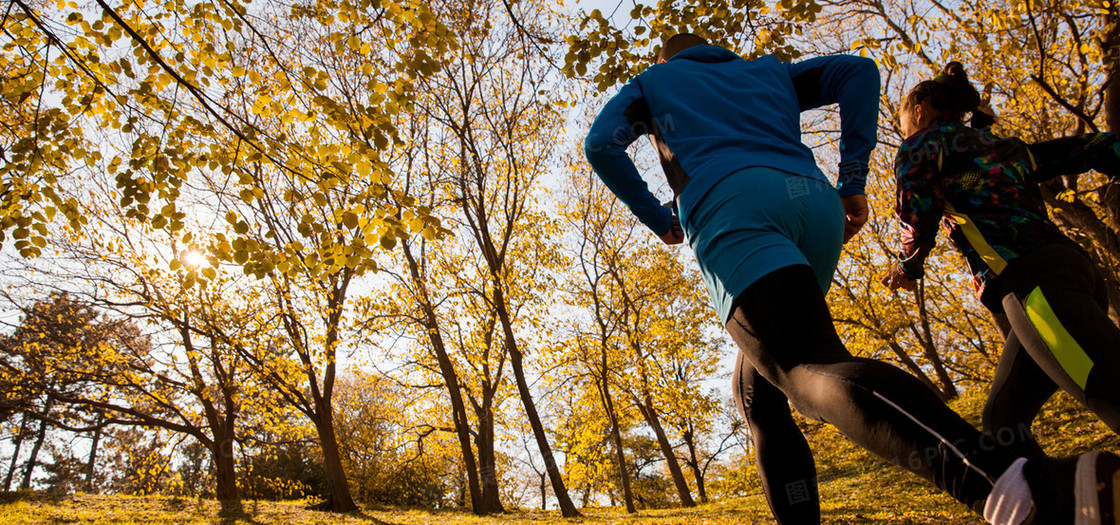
{"x": 961, "y": 95}
{"x": 955, "y": 71}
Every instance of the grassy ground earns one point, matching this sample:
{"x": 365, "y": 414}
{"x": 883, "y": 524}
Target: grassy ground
{"x": 912, "y": 507}
{"x": 856, "y": 488}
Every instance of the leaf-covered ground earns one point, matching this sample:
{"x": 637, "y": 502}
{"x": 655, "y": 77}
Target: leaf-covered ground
{"x": 844, "y": 506}
{"x": 855, "y": 488}
{"x": 863, "y": 492}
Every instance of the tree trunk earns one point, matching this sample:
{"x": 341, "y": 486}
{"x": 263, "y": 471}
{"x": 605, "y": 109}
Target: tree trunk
{"x": 694, "y": 464}
{"x": 929, "y": 350}
{"x": 15, "y": 454}
{"x": 623, "y": 467}
{"x": 32, "y": 461}
{"x": 616, "y": 437}
{"x": 225, "y": 471}
{"x": 700, "y": 484}
{"x": 462, "y": 501}
{"x": 339, "y": 499}
{"x": 462, "y": 424}
{"x": 462, "y": 430}
{"x": 451, "y": 380}
{"x": 1109, "y": 194}
{"x": 488, "y": 463}
{"x": 948, "y": 390}
{"x": 914, "y": 368}
{"x": 544, "y": 490}
{"x": 567, "y": 509}
{"x": 91, "y": 465}
{"x": 222, "y": 424}
{"x": 650, "y": 415}
{"x": 1113, "y": 300}
{"x": 1110, "y": 42}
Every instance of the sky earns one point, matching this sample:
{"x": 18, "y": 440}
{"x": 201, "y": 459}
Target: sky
{"x": 620, "y": 11}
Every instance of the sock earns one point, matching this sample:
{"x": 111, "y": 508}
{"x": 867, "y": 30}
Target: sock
{"x": 1010, "y": 501}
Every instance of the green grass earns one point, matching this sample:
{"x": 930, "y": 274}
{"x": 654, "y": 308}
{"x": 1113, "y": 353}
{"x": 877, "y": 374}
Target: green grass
{"x": 856, "y": 488}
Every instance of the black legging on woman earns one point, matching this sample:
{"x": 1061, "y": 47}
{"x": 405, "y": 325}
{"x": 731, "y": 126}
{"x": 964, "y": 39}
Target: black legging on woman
{"x": 1058, "y": 335}
{"x": 783, "y": 328}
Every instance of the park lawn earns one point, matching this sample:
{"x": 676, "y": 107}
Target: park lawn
{"x": 896, "y": 498}
{"x": 903, "y": 507}
{"x": 856, "y": 488}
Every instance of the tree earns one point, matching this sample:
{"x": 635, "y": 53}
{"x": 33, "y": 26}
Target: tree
{"x": 483, "y": 142}
{"x": 751, "y": 27}
{"x": 39, "y": 144}
{"x": 181, "y": 375}
{"x": 416, "y": 305}
{"x": 687, "y": 360}
{"x": 67, "y": 472}
{"x": 276, "y": 107}
{"x": 583, "y": 434}
{"x": 705, "y": 442}
{"x": 54, "y": 335}
{"x": 502, "y": 130}
{"x": 652, "y": 489}
{"x": 599, "y": 228}
{"x": 388, "y": 463}
{"x": 17, "y": 443}
{"x": 140, "y": 463}
{"x": 649, "y": 321}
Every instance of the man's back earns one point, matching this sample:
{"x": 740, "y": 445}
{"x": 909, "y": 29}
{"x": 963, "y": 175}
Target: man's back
{"x": 719, "y": 113}
{"x": 713, "y": 113}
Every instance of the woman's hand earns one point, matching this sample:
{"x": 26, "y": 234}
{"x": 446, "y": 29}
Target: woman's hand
{"x": 896, "y": 278}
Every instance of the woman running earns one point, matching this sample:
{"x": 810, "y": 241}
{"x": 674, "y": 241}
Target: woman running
{"x": 1046, "y": 295}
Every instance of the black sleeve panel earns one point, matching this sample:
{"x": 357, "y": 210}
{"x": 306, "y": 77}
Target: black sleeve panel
{"x": 808, "y": 88}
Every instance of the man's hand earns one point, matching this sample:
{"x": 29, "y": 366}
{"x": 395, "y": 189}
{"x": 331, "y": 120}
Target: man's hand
{"x": 675, "y": 234}
{"x": 896, "y": 278}
{"x": 855, "y": 214}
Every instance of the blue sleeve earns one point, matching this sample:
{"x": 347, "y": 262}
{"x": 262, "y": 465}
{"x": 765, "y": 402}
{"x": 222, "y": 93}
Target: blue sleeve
{"x": 853, "y": 83}
{"x": 605, "y": 147}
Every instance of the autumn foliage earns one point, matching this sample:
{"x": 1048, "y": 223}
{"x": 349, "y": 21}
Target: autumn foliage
{"x": 350, "y": 252}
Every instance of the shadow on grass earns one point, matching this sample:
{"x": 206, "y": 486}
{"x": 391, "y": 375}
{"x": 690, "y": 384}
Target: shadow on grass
{"x": 233, "y": 511}
{"x": 30, "y": 495}
{"x": 325, "y": 506}
{"x": 366, "y": 517}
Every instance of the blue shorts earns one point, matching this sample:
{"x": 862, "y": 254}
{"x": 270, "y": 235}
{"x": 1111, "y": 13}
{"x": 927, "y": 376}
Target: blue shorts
{"x": 758, "y": 220}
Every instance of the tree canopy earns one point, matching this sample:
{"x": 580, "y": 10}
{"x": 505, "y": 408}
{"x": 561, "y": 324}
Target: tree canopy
{"x": 350, "y": 250}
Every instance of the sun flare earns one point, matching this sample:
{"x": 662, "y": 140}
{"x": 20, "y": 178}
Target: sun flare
{"x": 193, "y": 258}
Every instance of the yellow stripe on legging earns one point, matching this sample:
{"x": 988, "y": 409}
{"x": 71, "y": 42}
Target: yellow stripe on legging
{"x": 1071, "y": 357}
{"x": 976, "y": 239}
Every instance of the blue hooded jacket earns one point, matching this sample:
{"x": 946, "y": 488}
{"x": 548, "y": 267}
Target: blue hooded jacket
{"x": 712, "y": 113}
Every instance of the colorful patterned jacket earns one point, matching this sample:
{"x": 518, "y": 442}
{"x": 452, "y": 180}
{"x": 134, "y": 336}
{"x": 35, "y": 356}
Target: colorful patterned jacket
{"x": 984, "y": 190}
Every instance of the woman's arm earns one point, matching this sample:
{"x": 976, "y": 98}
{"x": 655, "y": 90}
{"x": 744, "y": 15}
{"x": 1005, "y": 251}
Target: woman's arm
{"x": 919, "y": 202}
{"x": 1076, "y": 155}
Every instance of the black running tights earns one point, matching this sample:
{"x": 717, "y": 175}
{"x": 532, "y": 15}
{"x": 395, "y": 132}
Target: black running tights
{"x": 783, "y": 328}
